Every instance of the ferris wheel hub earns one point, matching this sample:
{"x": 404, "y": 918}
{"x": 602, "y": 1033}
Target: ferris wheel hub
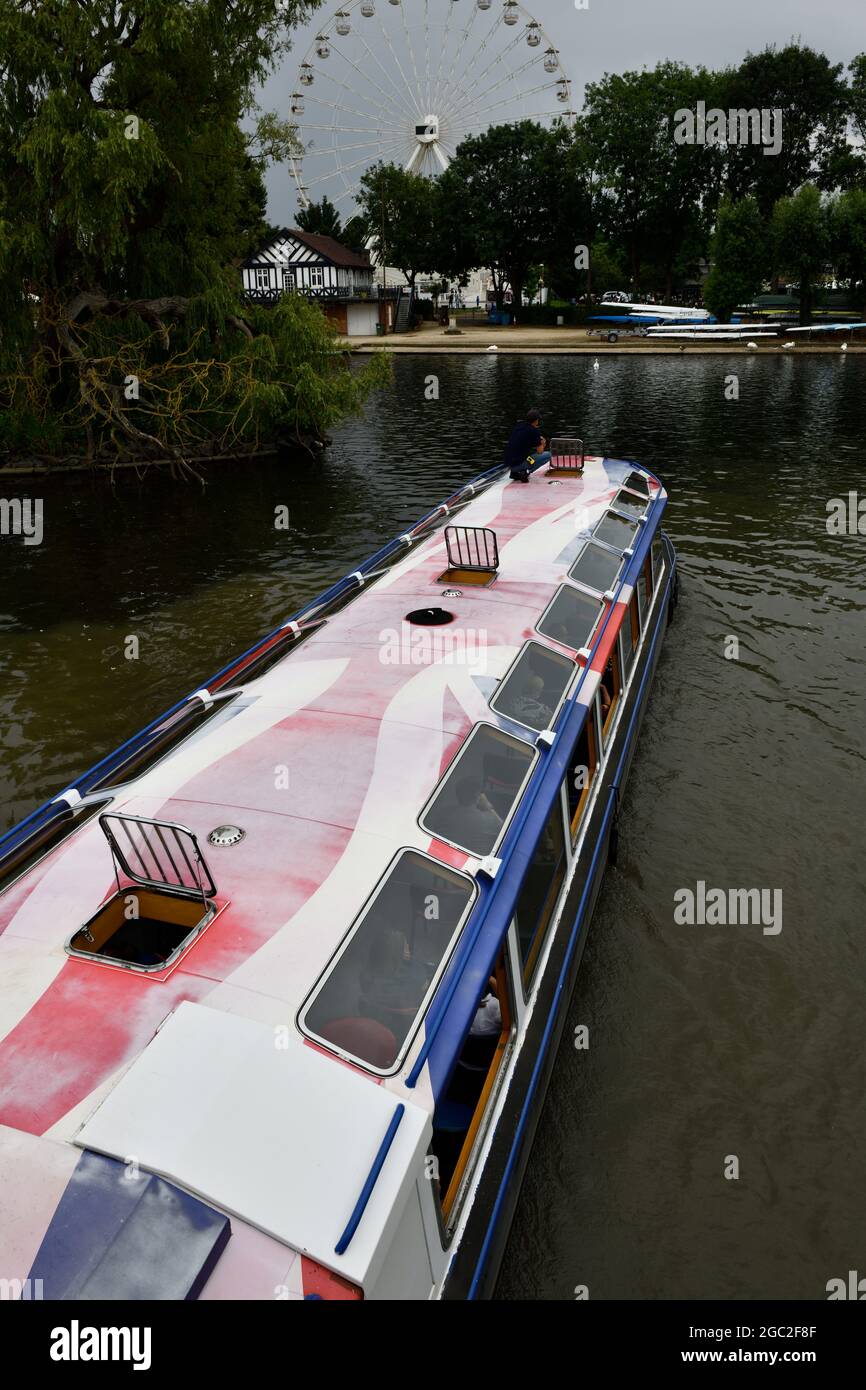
{"x": 427, "y": 142}
{"x": 427, "y": 131}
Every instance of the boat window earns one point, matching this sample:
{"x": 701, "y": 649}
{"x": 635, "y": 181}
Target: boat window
{"x": 636, "y": 482}
{"x": 596, "y": 567}
{"x": 373, "y": 994}
{"x": 658, "y": 561}
{"x": 535, "y": 687}
{"x": 461, "y": 1109}
{"x": 582, "y": 769}
{"x": 615, "y": 531}
{"x": 571, "y": 618}
{"x": 475, "y": 799}
{"x": 644, "y": 590}
{"x": 609, "y": 692}
{"x": 632, "y": 506}
{"x": 629, "y": 636}
{"x": 538, "y": 896}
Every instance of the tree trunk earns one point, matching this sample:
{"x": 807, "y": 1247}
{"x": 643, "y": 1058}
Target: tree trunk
{"x": 517, "y": 284}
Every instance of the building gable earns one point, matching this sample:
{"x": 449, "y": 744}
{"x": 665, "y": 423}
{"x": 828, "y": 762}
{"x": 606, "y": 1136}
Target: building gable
{"x": 291, "y": 247}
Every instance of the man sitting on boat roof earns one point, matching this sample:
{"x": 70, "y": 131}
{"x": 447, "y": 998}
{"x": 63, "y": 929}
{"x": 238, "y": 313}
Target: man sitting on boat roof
{"x": 525, "y": 452}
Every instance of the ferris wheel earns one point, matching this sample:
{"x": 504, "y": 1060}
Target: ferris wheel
{"x": 405, "y": 81}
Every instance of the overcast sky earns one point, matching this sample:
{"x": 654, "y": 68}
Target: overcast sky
{"x": 615, "y": 35}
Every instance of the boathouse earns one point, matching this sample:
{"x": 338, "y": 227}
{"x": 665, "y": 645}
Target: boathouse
{"x": 337, "y": 278}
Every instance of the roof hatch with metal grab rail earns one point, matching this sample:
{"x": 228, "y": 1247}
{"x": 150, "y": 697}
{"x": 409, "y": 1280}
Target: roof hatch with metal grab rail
{"x": 164, "y": 904}
{"x": 473, "y": 556}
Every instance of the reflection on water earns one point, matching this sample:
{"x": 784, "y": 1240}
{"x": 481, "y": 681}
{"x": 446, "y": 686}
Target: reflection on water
{"x": 704, "y": 1041}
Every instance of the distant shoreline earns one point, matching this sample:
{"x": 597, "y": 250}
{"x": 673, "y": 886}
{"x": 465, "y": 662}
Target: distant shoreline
{"x": 574, "y": 342}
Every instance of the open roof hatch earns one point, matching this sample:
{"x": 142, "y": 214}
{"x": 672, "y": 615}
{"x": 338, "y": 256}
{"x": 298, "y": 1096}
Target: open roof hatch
{"x": 473, "y": 556}
{"x": 567, "y": 455}
{"x": 186, "y": 871}
{"x": 148, "y": 923}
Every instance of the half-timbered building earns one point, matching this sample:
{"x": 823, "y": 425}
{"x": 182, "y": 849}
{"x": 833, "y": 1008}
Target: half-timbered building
{"x": 339, "y": 279}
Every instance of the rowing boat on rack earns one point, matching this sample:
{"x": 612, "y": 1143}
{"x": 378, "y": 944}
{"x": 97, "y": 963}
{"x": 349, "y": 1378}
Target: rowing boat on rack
{"x": 282, "y": 979}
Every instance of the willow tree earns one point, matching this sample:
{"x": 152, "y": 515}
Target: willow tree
{"x": 131, "y": 158}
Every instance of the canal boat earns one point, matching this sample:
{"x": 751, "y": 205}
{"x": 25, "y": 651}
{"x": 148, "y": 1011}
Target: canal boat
{"x": 283, "y": 979}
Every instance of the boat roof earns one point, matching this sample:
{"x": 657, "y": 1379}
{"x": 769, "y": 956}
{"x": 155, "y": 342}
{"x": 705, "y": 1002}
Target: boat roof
{"x": 326, "y": 762}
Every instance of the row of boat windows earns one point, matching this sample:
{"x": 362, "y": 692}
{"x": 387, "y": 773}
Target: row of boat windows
{"x": 370, "y": 999}
{"x": 463, "y": 1108}
{"x": 461, "y": 1111}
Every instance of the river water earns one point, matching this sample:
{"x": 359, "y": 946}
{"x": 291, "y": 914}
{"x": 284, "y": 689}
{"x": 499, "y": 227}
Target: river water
{"x": 707, "y": 1044}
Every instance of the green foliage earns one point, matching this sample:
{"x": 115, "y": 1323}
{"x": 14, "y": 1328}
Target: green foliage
{"x": 645, "y": 204}
{"x": 129, "y": 195}
{"x": 321, "y": 219}
{"x": 209, "y": 382}
{"x": 608, "y": 268}
{"x": 810, "y": 92}
{"x": 121, "y": 161}
{"x": 355, "y": 235}
{"x": 659, "y": 192}
{"x": 857, "y": 100}
{"x": 739, "y": 257}
{"x": 847, "y": 214}
{"x": 398, "y": 212}
{"x": 801, "y": 234}
{"x": 496, "y": 203}
{"x": 305, "y": 386}
{"x": 579, "y": 212}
